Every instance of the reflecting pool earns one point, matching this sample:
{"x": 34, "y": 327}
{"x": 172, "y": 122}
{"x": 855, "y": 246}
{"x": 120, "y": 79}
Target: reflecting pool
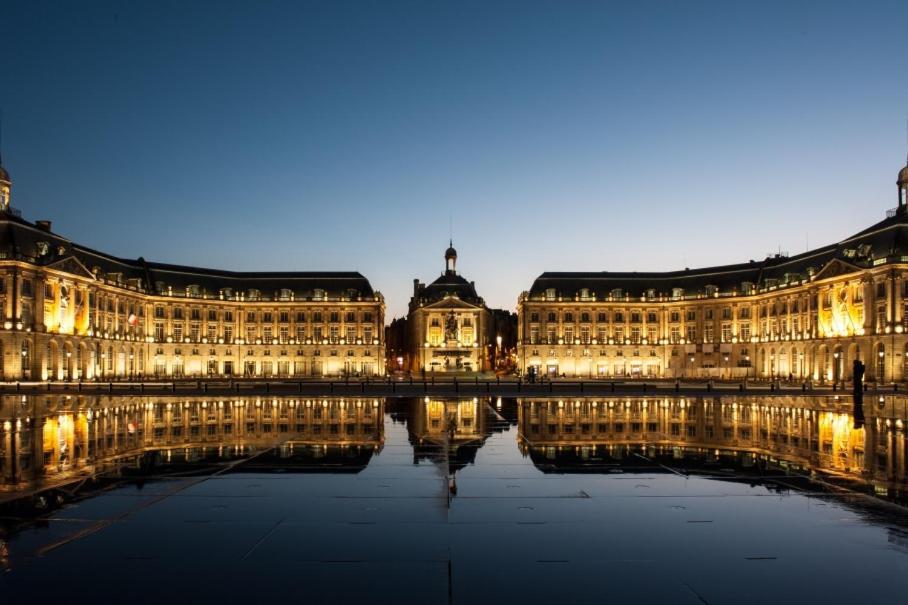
{"x": 680, "y": 500}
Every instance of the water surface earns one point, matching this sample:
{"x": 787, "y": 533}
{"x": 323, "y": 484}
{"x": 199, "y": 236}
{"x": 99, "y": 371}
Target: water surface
{"x": 676, "y": 500}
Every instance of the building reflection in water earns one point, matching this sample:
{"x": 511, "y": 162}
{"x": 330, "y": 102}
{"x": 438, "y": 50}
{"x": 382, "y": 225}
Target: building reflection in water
{"x": 53, "y": 440}
{"x": 821, "y": 437}
{"x": 448, "y": 432}
{"x": 48, "y": 440}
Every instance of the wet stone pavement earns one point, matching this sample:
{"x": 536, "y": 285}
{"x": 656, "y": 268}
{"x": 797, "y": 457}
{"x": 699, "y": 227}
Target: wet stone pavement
{"x": 461, "y": 501}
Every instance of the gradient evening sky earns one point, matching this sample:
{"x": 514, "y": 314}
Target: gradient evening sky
{"x": 559, "y": 135}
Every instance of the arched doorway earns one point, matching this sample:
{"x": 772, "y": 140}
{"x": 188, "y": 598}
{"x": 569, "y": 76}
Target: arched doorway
{"x": 53, "y": 369}
{"x": 821, "y": 364}
{"x": 838, "y": 365}
{"x": 85, "y": 362}
{"x": 69, "y": 361}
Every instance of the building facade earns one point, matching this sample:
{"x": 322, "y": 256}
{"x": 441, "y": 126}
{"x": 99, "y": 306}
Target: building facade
{"x": 73, "y": 313}
{"x": 448, "y": 324}
{"x": 806, "y": 317}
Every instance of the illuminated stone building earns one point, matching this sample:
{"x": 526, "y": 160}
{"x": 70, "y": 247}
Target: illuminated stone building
{"x": 70, "y": 312}
{"x": 806, "y": 316}
{"x": 448, "y": 324}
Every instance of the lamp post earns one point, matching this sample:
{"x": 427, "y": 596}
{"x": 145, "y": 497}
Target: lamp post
{"x": 497, "y": 350}
{"x": 881, "y": 371}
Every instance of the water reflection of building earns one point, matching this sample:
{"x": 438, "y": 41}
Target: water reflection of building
{"x": 44, "y": 439}
{"x": 812, "y": 433}
{"x": 448, "y": 430}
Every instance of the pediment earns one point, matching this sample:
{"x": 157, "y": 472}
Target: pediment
{"x": 451, "y": 302}
{"x": 835, "y": 268}
{"x": 71, "y": 264}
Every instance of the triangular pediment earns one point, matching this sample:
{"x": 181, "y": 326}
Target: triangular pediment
{"x": 835, "y": 268}
{"x": 73, "y": 265}
{"x": 451, "y": 302}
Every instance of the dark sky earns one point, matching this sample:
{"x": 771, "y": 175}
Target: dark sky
{"x": 552, "y": 135}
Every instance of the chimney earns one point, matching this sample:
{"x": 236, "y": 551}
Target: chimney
{"x": 415, "y": 288}
{"x": 43, "y": 225}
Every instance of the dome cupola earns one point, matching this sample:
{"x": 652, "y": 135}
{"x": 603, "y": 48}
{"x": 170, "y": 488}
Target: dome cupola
{"x": 902, "y": 184}
{"x": 5, "y": 186}
{"x": 451, "y": 259}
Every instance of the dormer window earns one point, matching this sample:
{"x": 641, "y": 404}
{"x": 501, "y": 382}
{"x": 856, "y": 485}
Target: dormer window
{"x": 550, "y": 294}
{"x": 677, "y": 293}
{"x": 584, "y": 294}
{"x": 253, "y": 294}
{"x": 318, "y": 294}
{"x": 193, "y": 290}
{"x": 747, "y": 287}
{"x": 285, "y": 294}
{"x": 712, "y": 290}
{"x": 617, "y": 293}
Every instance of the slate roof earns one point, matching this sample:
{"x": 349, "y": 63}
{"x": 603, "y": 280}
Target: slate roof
{"x": 449, "y": 284}
{"x": 22, "y": 240}
{"x": 885, "y": 239}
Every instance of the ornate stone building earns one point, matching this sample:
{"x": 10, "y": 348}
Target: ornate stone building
{"x": 448, "y": 324}
{"x": 71, "y": 312}
{"x": 807, "y": 316}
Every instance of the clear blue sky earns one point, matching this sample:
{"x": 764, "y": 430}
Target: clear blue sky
{"x": 559, "y": 135}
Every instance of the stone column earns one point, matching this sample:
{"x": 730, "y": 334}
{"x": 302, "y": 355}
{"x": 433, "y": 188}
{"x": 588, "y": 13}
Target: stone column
{"x": 15, "y": 295}
{"x": 897, "y": 300}
{"x": 39, "y": 304}
{"x": 868, "y": 304}
{"x": 8, "y": 286}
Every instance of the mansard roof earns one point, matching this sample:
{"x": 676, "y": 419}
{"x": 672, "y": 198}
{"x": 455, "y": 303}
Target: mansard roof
{"x": 22, "y": 240}
{"x": 450, "y": 284}
{"x": 887, "y": 239}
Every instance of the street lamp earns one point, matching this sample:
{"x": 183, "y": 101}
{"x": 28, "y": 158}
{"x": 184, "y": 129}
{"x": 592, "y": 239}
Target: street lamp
{"x": 882, "y": 367}
{"x": 498, "y": 350}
